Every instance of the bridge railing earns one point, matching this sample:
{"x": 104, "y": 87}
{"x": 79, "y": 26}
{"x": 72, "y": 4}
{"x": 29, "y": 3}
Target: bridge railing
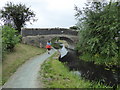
{"x": 46, "y": 31}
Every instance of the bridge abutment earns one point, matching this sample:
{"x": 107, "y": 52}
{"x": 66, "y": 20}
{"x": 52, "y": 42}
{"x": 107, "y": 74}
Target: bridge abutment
{"x": 39, "y": 37}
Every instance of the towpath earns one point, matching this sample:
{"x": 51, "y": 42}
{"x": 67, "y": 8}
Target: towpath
{"x": 27, "y": 76}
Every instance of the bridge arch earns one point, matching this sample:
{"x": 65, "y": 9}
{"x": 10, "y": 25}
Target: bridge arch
{"x": 39, "y": 37}
{"x": 66, "y": 39}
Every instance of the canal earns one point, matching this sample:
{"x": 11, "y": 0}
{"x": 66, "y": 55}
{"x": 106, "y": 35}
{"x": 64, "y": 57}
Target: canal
{"x": 89, "y": 70}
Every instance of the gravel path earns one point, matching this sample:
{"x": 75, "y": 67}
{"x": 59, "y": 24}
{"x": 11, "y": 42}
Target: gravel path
{"x": 27, "y": 75}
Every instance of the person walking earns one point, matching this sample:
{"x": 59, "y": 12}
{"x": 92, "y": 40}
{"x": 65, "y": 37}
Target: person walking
{"x": 48, "y": 47}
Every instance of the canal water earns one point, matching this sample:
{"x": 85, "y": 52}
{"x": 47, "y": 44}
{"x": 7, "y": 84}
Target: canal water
{"x": 91, "y": 71}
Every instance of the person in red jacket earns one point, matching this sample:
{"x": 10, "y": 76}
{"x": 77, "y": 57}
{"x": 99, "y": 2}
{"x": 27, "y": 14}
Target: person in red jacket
{"x": 48, "y": 47}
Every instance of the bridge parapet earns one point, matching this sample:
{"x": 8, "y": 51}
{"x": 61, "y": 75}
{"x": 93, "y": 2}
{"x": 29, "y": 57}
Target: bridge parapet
{"x": 46, "y": 31}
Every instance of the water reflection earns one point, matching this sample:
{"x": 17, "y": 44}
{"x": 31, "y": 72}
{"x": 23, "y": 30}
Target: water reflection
{"x": 91, "y": 71}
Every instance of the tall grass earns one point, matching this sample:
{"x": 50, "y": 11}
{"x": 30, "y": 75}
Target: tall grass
{"x": 14, "y": 59}
{"x": 0, "y": 55}
{"x": 56, "y": 75}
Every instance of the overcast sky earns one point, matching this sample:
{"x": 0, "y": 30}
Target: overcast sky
{"x": 51, "y": 13}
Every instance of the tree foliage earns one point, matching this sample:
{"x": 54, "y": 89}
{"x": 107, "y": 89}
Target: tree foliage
{"x": 99, "y": 31}
{"x": 9, "y": 38}
{"x": 17, "y": 15}
{"x": 74, "y": 27}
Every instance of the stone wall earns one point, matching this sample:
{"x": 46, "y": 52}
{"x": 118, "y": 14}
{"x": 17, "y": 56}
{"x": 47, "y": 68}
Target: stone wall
{"x": 46, "y": 31}
{"x": 39, "y": 36}
{"x": 41, "y": 40}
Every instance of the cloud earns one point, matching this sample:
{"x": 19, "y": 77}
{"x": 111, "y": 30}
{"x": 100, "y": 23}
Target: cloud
{"x": 51, "y": 13}
{"x": 61, "y": 5}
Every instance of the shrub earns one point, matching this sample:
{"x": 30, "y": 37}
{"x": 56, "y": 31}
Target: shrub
{"x": 9, "y": 38}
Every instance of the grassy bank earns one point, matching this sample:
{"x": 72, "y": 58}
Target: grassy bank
{"x": 16, "y": 58}
{"x": 0, "y": 73}
{"x": 56, "y": 75}
{"x": 100, "y": 59}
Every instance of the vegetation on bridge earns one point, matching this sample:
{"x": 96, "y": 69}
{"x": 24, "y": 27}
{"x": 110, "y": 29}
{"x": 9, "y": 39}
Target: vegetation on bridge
{"x": 99, "y": 25}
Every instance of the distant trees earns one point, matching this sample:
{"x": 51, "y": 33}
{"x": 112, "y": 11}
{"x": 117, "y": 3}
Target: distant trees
{"x": 74, "y": 27}
{"x": 16, "y": 15}
{"x": 99, "y": 25}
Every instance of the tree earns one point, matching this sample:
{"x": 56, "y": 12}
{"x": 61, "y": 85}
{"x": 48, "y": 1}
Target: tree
{"x": 74, "y": 27}
{"x": 99, "y": 26}
{"x": 16, "y": 15}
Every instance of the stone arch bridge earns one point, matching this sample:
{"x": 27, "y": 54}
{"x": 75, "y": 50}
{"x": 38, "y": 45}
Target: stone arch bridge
{"x": 39, "y": 36}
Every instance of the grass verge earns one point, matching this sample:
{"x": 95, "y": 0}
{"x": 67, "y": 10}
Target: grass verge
{"x": 16, "y": 58}
{"x": 56, "y": 75}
